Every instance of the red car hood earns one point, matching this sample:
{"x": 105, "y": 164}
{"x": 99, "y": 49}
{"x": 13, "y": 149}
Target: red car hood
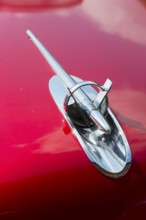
{"x": 42, "y": 166}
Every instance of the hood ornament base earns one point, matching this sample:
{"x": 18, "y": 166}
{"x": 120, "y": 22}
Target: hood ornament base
{"x": 87, "y": 113}
{"x": 110, "y": 153}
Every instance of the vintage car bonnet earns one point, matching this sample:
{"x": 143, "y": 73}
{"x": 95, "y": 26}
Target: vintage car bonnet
{"x": 43, "y": 166}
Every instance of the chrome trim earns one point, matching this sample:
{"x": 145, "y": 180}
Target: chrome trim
{"x": 51, "y": 61}
{"x": 109, "y": 153}
{"x": 83, "y": 99}
{"x": 101, "y": 137}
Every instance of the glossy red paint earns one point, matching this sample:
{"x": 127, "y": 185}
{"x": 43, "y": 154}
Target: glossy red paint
{"x": 43, "y": 170}
{"x": 36, "y": 4}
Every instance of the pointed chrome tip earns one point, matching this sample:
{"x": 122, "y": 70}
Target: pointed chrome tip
{"x": 27, "y": 30}
{"x": 29, "y": 34}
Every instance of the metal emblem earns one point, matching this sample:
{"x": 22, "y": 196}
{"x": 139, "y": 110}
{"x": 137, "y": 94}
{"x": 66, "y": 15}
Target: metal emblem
{"x": 92, "y": 122}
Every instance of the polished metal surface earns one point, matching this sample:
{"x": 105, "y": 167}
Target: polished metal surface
{"x": 87, "y": 113}
{"x": 81, "y": 97}
{"x": 110, "y": 153}
{"x": 52, "y": 62}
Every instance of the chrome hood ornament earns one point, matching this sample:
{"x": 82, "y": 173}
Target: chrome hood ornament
{"x": 92, "y": 122}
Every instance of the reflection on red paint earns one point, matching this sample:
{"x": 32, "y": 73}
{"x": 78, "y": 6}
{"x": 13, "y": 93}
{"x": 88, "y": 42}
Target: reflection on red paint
{"x": 130, "y": 105}
{"x": 123, "y": 18}
{"x": 41, "y": 167}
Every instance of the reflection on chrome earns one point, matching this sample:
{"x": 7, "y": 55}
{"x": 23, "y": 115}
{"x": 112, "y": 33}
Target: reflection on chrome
{"x": 90, "y": 108}
{"x": 110, "y": 153}
{"x": 91, "y": 121}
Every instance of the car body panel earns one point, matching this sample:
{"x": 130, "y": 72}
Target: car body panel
{"x": 43, "y": 169}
